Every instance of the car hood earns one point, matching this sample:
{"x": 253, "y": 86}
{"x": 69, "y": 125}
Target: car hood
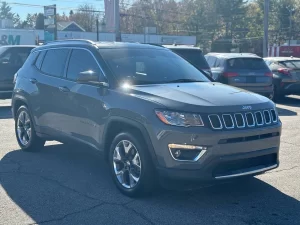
{"x": 195, "y": 95}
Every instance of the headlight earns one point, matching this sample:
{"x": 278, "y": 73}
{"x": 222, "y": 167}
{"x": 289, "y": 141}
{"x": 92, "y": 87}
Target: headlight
{"x": 180, "y": 119}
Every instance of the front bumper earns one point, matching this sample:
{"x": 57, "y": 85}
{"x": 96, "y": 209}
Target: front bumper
{"x": 222, "y": 160}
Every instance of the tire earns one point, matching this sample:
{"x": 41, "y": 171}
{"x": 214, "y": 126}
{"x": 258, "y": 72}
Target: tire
{"x": 137, "y": 163}
{"x": 25, "y": 132}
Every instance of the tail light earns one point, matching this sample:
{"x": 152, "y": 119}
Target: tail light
{"x": 229, "y": 74}
{"x": 269, "y": 74}
{"x": 285, "y": 71}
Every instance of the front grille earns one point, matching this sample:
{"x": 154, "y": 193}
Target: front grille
{"x": 243, "y": 120}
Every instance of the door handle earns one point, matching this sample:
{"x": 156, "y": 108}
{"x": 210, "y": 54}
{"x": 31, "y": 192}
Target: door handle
{"x": 33, "y": 80}
{"x": 64, "y": 89}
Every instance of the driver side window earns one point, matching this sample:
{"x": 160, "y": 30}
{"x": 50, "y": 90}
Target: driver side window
{"x": 81, "y": 61}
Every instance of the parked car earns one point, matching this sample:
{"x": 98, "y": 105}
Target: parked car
{"x": 148, "y": 110}
{"x": 286, "y": 75}
{"x": 193, "y": 55}
{"x": 244, "y": 70}
{"x": 12, "y": 59}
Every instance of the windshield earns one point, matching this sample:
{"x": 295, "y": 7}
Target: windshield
{"x": 293, "y": 64}
{"x": 150, "y": 66}
{"x": 247, "y": 64}
{"x": 193, "y": 56}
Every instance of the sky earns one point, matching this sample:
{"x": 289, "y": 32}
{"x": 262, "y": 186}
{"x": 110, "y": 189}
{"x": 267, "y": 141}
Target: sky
{"x": 36, "y": 6}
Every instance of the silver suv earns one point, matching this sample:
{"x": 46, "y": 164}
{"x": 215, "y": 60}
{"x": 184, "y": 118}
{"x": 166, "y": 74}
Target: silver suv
{"x": 148, "y": 110}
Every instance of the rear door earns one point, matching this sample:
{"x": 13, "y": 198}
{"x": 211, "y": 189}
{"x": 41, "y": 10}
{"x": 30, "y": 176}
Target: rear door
{"x": 248, "y": 72}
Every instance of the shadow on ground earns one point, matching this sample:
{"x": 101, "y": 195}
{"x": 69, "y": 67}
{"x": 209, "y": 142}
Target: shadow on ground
{"x": 71, "y": 185}
{"x": 5, "y": 112}
{"x": 290, "y": 100}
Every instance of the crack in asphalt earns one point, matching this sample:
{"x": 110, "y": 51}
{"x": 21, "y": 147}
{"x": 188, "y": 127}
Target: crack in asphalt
{"x": 277, "y": 171}
{"x": 124, "y": 205}
{"x": 290, "y": 143}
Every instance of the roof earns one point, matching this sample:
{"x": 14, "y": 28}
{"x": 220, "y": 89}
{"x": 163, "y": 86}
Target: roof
{"x": 69, "y": 26}
{"x": 81, "y": 42}
{"x": 233, "y": 55}
{"x": 277, "y": 59}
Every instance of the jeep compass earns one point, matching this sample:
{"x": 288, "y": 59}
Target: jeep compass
{"x": 148, "y": 110}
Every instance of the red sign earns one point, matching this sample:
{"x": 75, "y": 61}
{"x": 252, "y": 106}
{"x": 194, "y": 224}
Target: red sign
{"x": 289, "y": 51}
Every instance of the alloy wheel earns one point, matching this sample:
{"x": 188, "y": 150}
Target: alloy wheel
{"x": 127, "y": 164}
{"x": 24, "y": 128}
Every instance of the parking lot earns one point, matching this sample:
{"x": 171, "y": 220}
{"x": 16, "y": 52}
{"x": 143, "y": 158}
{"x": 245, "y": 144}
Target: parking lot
{"x": 67, "y": 184}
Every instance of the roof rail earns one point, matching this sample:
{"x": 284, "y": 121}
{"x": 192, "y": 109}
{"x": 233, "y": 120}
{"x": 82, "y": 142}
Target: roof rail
{"x": 79, "y": 41}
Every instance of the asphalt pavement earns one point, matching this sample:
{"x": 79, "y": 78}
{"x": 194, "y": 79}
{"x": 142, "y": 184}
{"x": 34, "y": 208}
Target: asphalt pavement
{"x": 66, "y": 184}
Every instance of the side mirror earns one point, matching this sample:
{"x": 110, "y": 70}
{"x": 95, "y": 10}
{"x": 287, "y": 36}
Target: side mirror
{"x": 90, "y": 77}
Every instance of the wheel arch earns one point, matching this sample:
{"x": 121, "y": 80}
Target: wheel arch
{"x": 117, "y": 125}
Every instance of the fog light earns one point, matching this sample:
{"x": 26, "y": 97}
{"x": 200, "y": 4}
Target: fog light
{"x": 186, "y": 152}
{"x": 177, "y": 153}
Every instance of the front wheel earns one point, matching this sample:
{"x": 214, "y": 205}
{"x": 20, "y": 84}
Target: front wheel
{"x": 25, "y": 132}
{"x": 131, "y": 165}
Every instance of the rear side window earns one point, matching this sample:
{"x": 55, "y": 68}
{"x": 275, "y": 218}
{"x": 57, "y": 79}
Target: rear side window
{"x": 39, "y": 60}
{"x": 193, "y": 56}
{"x": 293, "y": 64}
{"x": 247, "y": 63}
{"x": 54, "y": 62}
{"x": 81, "y": 61}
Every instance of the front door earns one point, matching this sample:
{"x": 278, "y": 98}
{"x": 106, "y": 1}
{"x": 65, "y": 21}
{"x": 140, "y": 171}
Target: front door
{"x": 84, "y": 103}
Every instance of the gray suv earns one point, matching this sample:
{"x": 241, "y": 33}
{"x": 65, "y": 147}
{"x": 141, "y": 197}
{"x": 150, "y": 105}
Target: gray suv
{"x": 150, "y": 112}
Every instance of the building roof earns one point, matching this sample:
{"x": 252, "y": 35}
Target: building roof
{"x": 69, "y": 26}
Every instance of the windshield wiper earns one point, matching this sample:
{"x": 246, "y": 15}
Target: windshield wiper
{"x": 185, "y": 81}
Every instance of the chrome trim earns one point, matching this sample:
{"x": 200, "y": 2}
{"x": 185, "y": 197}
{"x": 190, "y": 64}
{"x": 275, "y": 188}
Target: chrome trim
{"x": 249, "y": 113}
{"x": 201, "y": 153}
{"x": 237, "y": 122}
{"x": 216, "y": 128}
{"x": 274, "y": 121}
{"x": 225, "y": 122}
{"x": 262, "y": 118}
{"x": 247, "y": 173}
{"x": 269, "y": 116}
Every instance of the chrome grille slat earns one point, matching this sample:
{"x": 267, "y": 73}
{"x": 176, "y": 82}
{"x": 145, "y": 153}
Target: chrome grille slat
{"x": 261, "y": 116}
{"x": 224, "y": 120}
{"x": 237, "y": 124}
{"x": 210, "y": 117}
{"x": 267, "y": 121}
{"x": 247, "y": 120}
{"x": 274, "y": 116}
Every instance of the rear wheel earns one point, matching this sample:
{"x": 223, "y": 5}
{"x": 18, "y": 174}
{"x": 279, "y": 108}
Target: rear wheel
{"x": 25, "y": 132}
{"x": 131, "y": 166}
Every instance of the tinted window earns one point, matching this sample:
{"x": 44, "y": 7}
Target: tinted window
{"x": 15, "y": 56}
{"x": 294, "y": 64}
{"x": 247, "y": 63}
{"x": 81, "y": 61}
{"x": 142, "y": 66}
{"x": 39, "y": 60}
{"x": 55, "y": 61}
{"x": 193, "y": 56}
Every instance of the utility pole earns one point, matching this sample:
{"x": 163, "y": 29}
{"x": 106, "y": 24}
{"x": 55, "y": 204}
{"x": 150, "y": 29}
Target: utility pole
{"x": 266, "y": 28}
{"x": 97, "y": 28}
{"x": 290, "y": 30}
{"x": 117, "y": 19}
